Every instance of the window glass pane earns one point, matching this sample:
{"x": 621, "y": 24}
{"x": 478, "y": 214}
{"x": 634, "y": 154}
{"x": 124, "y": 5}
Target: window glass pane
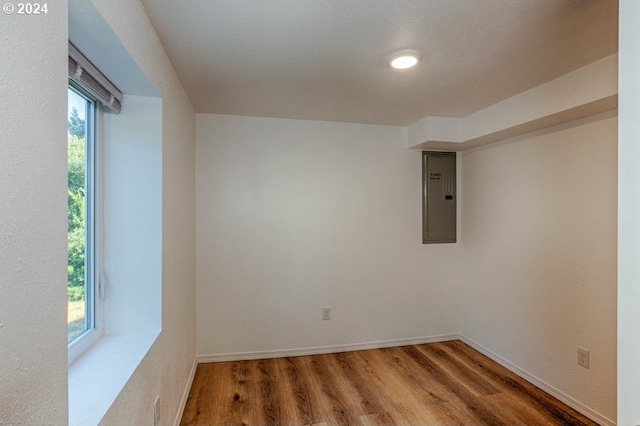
{"x": 78, "y": 216}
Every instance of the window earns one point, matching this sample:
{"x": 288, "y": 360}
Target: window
{"x": 80, "y": 215}
{"x": 89, "y": 94}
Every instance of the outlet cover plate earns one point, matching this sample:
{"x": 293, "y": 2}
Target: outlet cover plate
{"x": 583, "y": 357}
{"x": 326, "y": 313}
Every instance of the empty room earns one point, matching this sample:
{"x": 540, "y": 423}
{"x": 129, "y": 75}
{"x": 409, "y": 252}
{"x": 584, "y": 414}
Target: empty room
{"x": 320, "y": 212}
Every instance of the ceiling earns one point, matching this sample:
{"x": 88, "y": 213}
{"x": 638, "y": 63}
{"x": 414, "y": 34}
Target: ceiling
{"x": 326, "y": 59}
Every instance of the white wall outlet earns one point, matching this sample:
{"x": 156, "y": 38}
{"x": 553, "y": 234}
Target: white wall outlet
{"x": 583, "y": 357}
{"x": 326, "y": 313}
{"x": 156, "y": 411}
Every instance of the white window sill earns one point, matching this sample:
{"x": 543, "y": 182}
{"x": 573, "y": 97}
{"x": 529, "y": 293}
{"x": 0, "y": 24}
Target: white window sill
{"x": 98, "y": 376}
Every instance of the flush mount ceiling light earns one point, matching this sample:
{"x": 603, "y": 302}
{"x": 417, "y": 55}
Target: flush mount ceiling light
{"x": 404, "y": 59}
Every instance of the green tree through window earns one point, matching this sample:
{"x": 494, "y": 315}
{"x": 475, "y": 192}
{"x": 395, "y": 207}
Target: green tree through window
{"x": 76, "y": 207}
{"x": 78, "y": 307}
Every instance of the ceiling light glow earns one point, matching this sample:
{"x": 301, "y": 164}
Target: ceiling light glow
{"x": 404, "y": 59}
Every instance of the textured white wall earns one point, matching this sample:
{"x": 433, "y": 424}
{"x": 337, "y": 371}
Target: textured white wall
{"x": 165, "y": 369}
{"x": 296, "y": 215}
{"x": 539, "y": 226}
{"x": 629, "y": 216}
{"x": 33, "y": 216}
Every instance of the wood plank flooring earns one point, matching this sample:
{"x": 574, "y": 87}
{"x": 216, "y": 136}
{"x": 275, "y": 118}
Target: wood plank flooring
{"x": 445, "y": 383}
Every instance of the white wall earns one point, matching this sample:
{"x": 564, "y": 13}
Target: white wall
{"x": 132, "y": 205}
{"x": 539, "y": 226}
{"x": 295, "y": 215}
{"x": 166, "y": 368}
{"x": 33, "y": 218}
{"x": 628, "y": 216}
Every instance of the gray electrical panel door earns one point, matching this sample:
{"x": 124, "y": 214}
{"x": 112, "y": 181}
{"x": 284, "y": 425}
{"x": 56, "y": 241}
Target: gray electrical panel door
{"x": 438, "y": 197}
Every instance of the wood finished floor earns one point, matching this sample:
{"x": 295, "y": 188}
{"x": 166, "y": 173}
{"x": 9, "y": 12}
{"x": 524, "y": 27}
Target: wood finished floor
{"x": 445, "y": 383}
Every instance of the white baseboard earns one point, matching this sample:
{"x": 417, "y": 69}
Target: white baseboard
{"x": 576, "y": 405}
{"x": 239, "y": 356}
{"x": 185, "y": 393}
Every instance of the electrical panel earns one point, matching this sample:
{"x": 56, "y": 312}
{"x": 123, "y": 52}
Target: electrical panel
{"x": 438, "y": 197}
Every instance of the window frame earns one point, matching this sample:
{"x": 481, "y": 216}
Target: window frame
{"x": 93, "y": 220}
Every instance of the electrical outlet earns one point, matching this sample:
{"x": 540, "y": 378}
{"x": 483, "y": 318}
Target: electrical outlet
{"x": 326, "y": 313}
{"x": 583, "y": 357}
{"x": 156, "y": 411}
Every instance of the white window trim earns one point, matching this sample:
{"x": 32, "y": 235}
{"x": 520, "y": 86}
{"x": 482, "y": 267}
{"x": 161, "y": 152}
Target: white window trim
{"x": 97, "y": 378}
{"x": 95, "y": 290}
